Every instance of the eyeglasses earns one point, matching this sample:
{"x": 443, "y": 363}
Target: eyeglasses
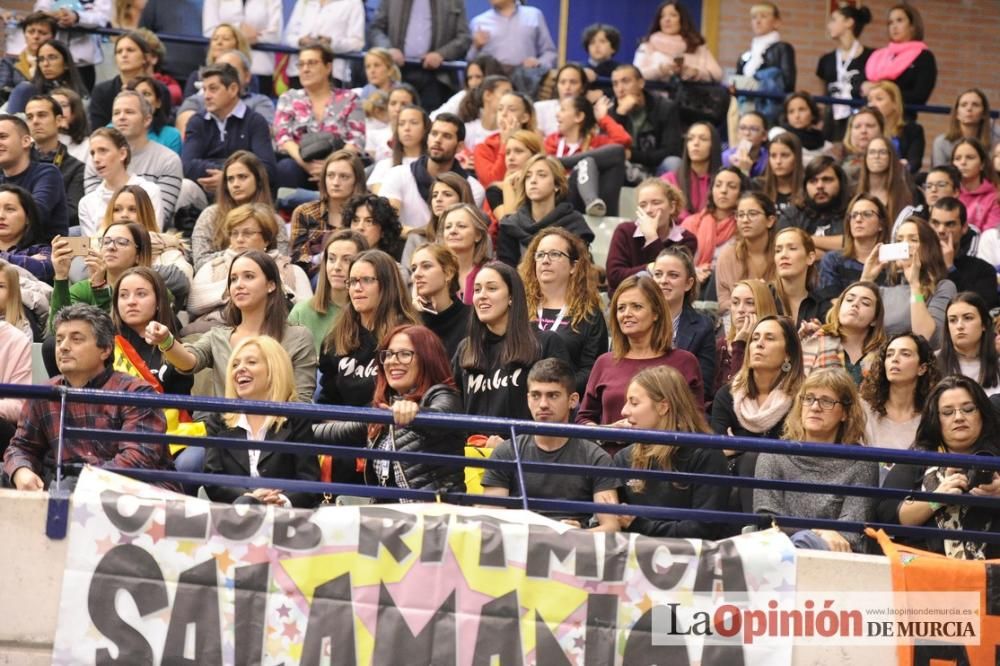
{"x": 878, "y": 152}
{"x": 937, "y": 185}
{"x": 749, "y": 214}
{"x": 749, "y": 129}
{"x": 55, "y": 57}
{"x": 551, "y": 255}
{"x": 402, "y": 356}
{"x": 826, "y": 404}
{"x": 365, "y": 282}
{"x": 242, "y": 234}
{"x": 949, "y": 412}
{"x": 310, "y": 63}
{"x": 864, "y": 215}
{"x": 109, "y": 242}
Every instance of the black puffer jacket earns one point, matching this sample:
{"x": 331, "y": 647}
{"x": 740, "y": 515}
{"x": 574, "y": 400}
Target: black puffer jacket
{"x": 518, "y": 228}
{"x": 420, "y": 476}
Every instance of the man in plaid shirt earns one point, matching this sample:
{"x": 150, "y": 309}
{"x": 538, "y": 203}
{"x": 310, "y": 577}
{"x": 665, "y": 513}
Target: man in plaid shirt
{"x": 85, "y": 340}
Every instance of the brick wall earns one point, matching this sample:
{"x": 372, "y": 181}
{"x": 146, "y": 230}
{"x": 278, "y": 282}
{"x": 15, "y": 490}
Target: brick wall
{"x": 962, "y": 34}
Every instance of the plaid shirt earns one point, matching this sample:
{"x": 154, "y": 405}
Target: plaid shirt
{"x": 36, "y": 441}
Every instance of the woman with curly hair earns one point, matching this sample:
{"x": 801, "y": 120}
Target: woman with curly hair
{"x": 376, "y": 219}
{"x": 674, "y": 47}
{"x": 560, "y": 284}
{"x": 895, "y": 388}
{"x": 826, "y": 410}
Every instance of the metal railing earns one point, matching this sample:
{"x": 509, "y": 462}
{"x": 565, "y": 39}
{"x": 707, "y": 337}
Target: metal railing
{"x": 511, "y": 428}
{"x": 459, "y": 66}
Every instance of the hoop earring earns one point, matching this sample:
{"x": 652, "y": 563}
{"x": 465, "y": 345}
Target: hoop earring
{"x": 786, "y": 366}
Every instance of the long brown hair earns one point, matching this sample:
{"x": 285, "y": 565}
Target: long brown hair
{"x": 743, "y": 247}
{"x": 164, "y": 314}
{"x": 985, "y": 131}
{"x": 394, "y": 306}
{"x": 897, "y": 189}
{"x": 770, "y": 181}
{"x": 665, "y": 384}
{"x": 323, "y": 297}
{"x": 932, "y": 268}
{"x": 812, "y": 272}
{"x": 146, "y": 214}
{"x": 276, "y": 308}
{"x": 225, "y": 202}
{"x": 876, "y": 332}
{"x": 787, "y": 381}
{"x": 885, "y": 224}
{"x": 582, "y": 296}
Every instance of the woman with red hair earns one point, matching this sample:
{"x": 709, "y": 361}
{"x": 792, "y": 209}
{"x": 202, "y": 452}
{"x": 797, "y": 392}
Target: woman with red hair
{"x": 413, "y": 376}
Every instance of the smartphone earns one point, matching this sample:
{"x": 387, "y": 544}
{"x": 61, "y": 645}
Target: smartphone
{"x": 744, "y": 146}
{"x": 894, "y": 252}
{"x": 81, "y": 245}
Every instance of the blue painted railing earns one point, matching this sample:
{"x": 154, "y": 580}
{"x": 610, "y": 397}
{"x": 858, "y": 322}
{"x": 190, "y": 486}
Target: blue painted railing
{"x": 511, "y": 428}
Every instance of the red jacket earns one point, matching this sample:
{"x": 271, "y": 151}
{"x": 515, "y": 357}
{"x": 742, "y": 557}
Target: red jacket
{"x": 611, "y": 133}
{"x": 491, "y": 163}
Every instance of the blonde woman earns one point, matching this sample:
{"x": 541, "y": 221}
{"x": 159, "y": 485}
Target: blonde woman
{"x": 12, "y": 309}
{"x": 751, "y": 301}
{"x": 381, "y": 73}
{"x": 260, "y": 369}
{"x": 464, "y": 229}
{"x": 827, "y": 410}
{"x": 560, "y": 283}
{"x": 659, "y": 399}
{"x": 543, "y": 202}
{"x": 907, "y": 136}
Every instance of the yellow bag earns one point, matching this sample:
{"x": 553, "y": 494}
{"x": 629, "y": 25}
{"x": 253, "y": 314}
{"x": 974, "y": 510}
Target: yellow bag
{"x": 475, "y": 447}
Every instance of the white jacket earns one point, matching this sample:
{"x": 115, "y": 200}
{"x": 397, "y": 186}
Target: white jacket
{"x": 93, "y": 205}
{"x": 264, "y": 15}
{"x": 86, "y": 49}
{"x": 342, "y": 21}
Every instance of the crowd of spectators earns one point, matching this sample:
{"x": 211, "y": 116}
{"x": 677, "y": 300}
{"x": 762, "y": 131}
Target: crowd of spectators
{"x": 238, "y": 224}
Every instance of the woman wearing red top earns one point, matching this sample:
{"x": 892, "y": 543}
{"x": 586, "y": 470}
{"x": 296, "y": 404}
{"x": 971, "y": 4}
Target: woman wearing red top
{"x": 514, "y": 112}
{"x": 593, "y": 145}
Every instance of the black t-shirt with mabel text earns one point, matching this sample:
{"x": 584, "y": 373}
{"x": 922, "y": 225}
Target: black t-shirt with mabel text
{"x": 501, "y": 390}
{"x": 553, "y": 486}
{"x": 349, "y": 379}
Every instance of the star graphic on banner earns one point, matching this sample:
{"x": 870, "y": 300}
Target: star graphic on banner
{"x": 225, "y": 560}
{"x": 284, "y": 610}
{"x": 105, "y": 544}
{"x": 256, "y": 554}
{"x": 187, "y": 546}
{"x": 81, "y": 513}
{"x": 579, "y": 642}
{"x": 125, "y": 539}
{"x": 291, "y": 631}
{"x": 156, "y": 531}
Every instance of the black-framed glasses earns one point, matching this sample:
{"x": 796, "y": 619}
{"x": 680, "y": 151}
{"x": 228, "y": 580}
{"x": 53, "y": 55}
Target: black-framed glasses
{"x": 109, "y": 242}
{"x": 949, "y": 412}
{"x": 402, "y": 356}
{"x": 825, "y": 403}
{"x": 749, "y": 214}
{"x": 551, "y": 255}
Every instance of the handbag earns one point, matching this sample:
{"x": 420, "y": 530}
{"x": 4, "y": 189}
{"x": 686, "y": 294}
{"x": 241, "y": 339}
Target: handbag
{"x": 700, "y": 102}
{"x": 318, "y": 145}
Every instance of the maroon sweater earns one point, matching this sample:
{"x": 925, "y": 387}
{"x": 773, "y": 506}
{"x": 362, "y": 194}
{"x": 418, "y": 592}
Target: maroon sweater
{"x": 610, "y": 377}
{"x": 628, "y": 256}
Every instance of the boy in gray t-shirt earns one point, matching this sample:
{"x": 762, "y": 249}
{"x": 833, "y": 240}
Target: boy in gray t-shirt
{"x": 552, "y": 397}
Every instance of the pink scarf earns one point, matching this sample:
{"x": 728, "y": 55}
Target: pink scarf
{"x": 672, "y": 45}
{"x": 710, "y": 233}
{"x": 889, "y": 63}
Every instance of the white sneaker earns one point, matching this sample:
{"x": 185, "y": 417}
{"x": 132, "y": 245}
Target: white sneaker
{"x": 597, "y": 208}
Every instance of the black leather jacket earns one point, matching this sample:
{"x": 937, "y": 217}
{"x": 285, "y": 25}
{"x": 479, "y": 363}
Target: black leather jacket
{"x": 422, "y": 476}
